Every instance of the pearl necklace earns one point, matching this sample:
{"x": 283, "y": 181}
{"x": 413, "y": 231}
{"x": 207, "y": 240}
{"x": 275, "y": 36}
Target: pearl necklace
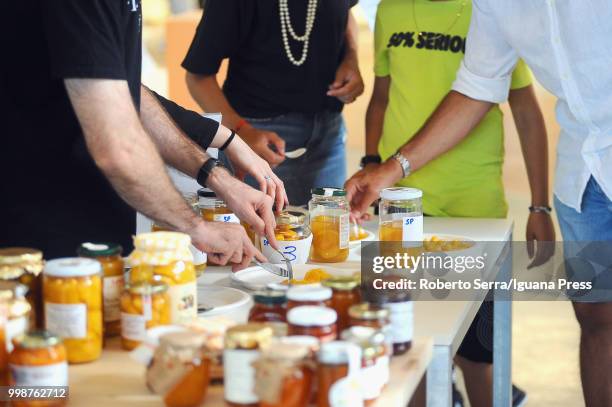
{"x": 287, "y": 29}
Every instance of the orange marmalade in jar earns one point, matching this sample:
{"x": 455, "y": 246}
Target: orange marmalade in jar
{"x": 109, "y": 256}
{"x": 72, "y": 289}
{"x": 269, "y": 306}
{"x": 329, "y": 222}
{"x": 38, "y": 359}
{"x": 345, "y": 294}
{"x": 143, "y": 306}
{"x": 165, "y": 256}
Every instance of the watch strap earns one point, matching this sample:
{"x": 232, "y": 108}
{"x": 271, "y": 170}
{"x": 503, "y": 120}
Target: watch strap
{"x": 206, "y": 169}
{"x": 540, "y": 209}
{"x": 370, "y": 159}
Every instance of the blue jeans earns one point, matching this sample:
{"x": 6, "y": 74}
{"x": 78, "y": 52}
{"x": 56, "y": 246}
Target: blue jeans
{"x": 587, "y": 241}
{"x": 323, "y": 165}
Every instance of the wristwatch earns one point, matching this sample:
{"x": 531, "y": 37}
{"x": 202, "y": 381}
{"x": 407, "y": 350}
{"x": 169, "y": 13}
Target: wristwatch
{"x": 206, "y": 169}
{"x": 540, "y": 209}
{"x": 403, "y": 162}
{"x": 370, "y": 159}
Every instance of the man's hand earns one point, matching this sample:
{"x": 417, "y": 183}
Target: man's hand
{"x": 266, "y": 144}
{"x": 225, "y": 243}
{"x": 364, "y": 187}
{"x": 245, "y": 161}
{"x": 348, "y": 84}
{"x": 540, "y": 229}
{"x": 250, "y": 205}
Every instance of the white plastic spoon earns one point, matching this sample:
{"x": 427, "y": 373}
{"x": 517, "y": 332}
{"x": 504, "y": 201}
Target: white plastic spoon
{"x": 296, "y": 153}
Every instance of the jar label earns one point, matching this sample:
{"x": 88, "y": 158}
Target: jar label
{"x": 344, "y": 231}
{"x": 66, "y": 320}
{"x": 183, "y": 302}
{"x": 14, "y": 328}
{"x": 412, "y": 230}
{"x": 133, "y": 326}
{"x": 113, "y": 286}
{"x": 226, "y": 218}
{"x": 296, "y": 251}
{"x": 47, "y": 375}
{"x": 371, "y": 382}
{"x": 401, "y": 317}
{"x": 239, "y": 375}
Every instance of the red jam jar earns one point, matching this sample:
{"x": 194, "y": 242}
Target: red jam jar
{"x": 310, "y": 320}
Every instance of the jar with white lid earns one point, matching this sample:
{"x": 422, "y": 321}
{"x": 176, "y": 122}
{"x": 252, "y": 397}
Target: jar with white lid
{"x": 311, "y": 294}
{"x": 72, "y": 292}
{"x": 329, "y": 221}
{"x": 401, "y": 216}
{"x": 293, "y": 236}
{"x": 309, "y": 320}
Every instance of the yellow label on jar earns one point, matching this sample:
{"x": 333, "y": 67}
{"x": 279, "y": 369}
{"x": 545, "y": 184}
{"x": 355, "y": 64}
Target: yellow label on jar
{"x": 183, "y": 302}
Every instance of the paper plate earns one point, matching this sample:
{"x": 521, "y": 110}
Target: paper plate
{"x": 256, "y": 278}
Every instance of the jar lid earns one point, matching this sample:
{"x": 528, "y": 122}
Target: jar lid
{"x": 279, "y": 349}
{"x": 37, "y": 339}
{"x": 341, "y": 283}
{"x": 337, "y": 352}
{"x": 328, "y": 191}
{"x": 310, "y": 292}
{"x": 291, "y": 218}
{"x": 270, "y": 297}
{"x": 400, "y": 194}
{"x": 72, "y": 267}
{"x": 90, "y": 249}
{"x": 309, "y": 315}
{"x": 15, "y": 261}
{"x": 306, "y": 340}
{"x": 183, "y": 340}
{"x": 206, "y": 193}
{"x": 147, "y": 288}
{"x": 248, "y": 336}
{"x": 157, "y": 241}
{"x": 368, "y": 311}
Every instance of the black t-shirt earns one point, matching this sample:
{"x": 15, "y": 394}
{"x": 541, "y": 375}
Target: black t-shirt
{"x": 261, "y": 81}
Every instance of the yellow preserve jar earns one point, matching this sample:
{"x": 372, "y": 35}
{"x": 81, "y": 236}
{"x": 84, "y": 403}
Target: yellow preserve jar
{"x": 166, "y": 257}
{"x": 293, "y": 236}
{"x": 401, "y": 216}
{"x": 329, "y": 222}
{"x": 143, "y": 306}
{"x": 72, "y": 291}
{"x": 109, "y": 256}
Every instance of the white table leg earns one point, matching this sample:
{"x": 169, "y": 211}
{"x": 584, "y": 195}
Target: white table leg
{"x": 502, "y": 340}
{"x": 439, "y": 378}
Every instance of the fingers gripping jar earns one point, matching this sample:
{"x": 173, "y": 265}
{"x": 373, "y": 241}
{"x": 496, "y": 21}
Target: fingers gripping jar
{"x": 165, "y": 256}
{"x": 293, "y": 236}
{"x": 329, "y": 222}
{"x": 401, "y": 216}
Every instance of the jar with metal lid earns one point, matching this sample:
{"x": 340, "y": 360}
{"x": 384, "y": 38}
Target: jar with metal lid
{"x": 283, "y": 375}
{"x": 24, "y": 265}
{"x": 72, "y": 290}
{"x": 109, "y": 255}
{"x": 335, "y": 361}
{"x": 401, "y": 216}
{"x": 180, "y": 370}
{"x": 269, "y": 306}
{"x": 309, "y": 320}
{"x": 345, "y": 294}
{"x": 38, "y": 359}
{"x": 329, "y": 222}
{"x": 242, "y": 348}
{"x": 370, "y": 315}
{"x": 293, "y": 236}
{"x": 311, "y": 294}
{"x": 143, "y": 306}
{"x": 165, "y": 256}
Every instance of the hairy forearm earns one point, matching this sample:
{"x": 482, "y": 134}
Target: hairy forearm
{"x": 206, "y": 91}
{"x": 124, "y": 153}
{"x": 534, "y": 143}
{"x": 453, "y": 120}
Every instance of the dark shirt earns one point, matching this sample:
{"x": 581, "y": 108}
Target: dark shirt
{"x": 261, "y": 81}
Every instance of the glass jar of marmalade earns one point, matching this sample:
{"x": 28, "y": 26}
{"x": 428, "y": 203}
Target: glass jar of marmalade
{"x": 143, "y": 306}
{"x": 24, "y": 265}
{"x": 370, "y": 315}
{"x": 109, "y": 255}
{"x": 72, "y": 289}
{"x": 345, "y": 294}
{"x": 293, "y": 236}
{"x": 401, "y": 220}
{"x": 401, "y": 316}
{"x": 329, "y": 222}
{"x": 242, "y": 348}
{"x": 38, "y": 359}
{"x": 284, "y": 375}
{"x": 180, "y": 371}
{"x": 269, "y": 306}
{"x": 311, "y": 294}
{"x": 310, "y": 320}
{"x": 336, "y": 360}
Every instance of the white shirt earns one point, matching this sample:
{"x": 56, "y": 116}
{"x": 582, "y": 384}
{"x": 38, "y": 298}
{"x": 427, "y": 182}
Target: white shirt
{"x": 568, "y": 46}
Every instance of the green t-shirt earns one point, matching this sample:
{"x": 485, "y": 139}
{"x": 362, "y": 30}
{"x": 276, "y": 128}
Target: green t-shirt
{"x": 466, "y": 181}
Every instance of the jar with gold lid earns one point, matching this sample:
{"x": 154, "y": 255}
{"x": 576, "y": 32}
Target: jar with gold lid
{"x": 72, "y": 290}
{"x": 165, "y": 256}
{"x": 370, "y": 315}
{"x": 242, "y": 348}
{"x": 25, "y": 265}
{"x": 329, "y": 222}
{"x": 180, "y": 370}
{"x": 38, "y": 359}
{"x": 109, "y": 256}
{"x": 345, "y": 294}
{"x": 293, "y": 236}
{"x": 143, "y": 306}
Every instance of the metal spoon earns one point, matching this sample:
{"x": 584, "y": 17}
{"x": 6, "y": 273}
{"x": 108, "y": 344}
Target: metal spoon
{"x": 297, "y": 153}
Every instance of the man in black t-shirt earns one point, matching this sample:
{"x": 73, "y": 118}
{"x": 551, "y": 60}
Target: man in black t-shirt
{"x": 84, "y": 142}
